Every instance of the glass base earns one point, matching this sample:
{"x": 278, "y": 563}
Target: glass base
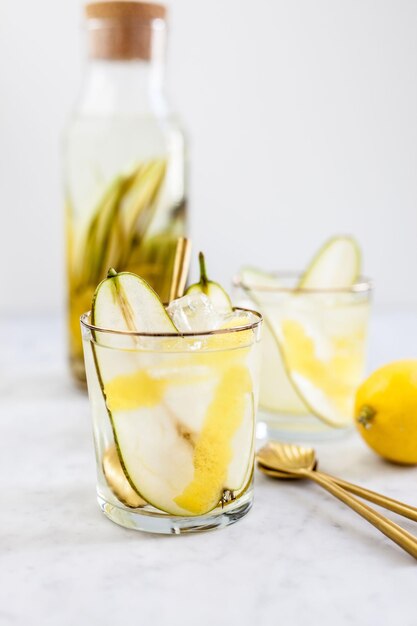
{"x": 286, "y": 427}
{"x": 158, "y": 523}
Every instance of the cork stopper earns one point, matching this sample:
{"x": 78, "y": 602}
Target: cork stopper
{"x": 123, "y": 29}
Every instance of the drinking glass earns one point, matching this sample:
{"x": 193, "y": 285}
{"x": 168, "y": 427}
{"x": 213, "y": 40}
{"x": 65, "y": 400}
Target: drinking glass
{"x": 313, "y": 355}
{"x": 174, "y": 424}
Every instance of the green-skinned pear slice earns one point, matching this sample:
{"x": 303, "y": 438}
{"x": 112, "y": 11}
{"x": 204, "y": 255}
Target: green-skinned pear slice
{"x": 284, "y": 395}
{"x": 125, "y": 302}
{"x": 218, "y": 296}
{"x": 264, "y": 289}
{"x": 337, "y": 265}
{"x": 179, "y": 456}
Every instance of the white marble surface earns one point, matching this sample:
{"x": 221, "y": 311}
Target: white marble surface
{"x": 299, "y": 556}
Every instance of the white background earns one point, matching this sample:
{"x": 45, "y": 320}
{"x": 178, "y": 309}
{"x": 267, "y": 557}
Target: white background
{"x": 302, "y": 117}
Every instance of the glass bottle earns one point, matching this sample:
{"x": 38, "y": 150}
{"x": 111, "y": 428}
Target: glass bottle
{"x": 124, "y": 161}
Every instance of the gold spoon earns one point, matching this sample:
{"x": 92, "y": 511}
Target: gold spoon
{"x": 117, "y": 480}
{"x": 283, "y": 460}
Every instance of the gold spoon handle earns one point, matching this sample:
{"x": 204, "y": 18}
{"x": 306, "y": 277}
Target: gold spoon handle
{"x": 400, "y": 536}
{"x": 377, "y": 498}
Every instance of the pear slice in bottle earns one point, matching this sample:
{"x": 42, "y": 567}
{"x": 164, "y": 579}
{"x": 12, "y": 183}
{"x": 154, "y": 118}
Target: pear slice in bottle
{"x": 336, "y": 265}
{"x": 218, "y": 296}
{"x": 177, "y": 459}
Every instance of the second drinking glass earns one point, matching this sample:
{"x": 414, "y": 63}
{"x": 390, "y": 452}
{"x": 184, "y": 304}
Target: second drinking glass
{"x": 313, "y": 354}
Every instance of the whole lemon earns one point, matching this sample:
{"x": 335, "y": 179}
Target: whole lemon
{"x": 386, "y": 411}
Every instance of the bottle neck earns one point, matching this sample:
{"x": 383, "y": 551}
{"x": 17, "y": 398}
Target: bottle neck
{"x": 132, "y": 86}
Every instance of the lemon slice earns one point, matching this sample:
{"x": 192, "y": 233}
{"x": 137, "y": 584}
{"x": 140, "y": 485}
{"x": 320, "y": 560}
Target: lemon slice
{"x": 335, "y": 266}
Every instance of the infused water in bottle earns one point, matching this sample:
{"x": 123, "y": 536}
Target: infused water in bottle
{"x": 124, "y": 161}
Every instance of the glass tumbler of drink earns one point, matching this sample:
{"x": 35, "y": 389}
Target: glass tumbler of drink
{"x": 313, "y": 354}
{"x": 174, "y": 424}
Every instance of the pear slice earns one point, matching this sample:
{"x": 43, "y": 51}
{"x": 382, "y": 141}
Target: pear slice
{"x": 126, "y": 302}
{"x": 145, "y": 433}
{"x": 178, "y": 458}
{"x": 264, "y": 291}
{"x": 218, "y": 296}
{"x": 336, "y": 265}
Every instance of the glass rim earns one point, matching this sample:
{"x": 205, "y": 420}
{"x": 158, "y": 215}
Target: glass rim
{"x": 205, "y": 333}
{"x": 362, "y": 285}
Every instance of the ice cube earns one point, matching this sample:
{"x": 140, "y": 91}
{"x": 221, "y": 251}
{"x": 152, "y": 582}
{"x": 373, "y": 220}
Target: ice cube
{"x": 194, "y": 313}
